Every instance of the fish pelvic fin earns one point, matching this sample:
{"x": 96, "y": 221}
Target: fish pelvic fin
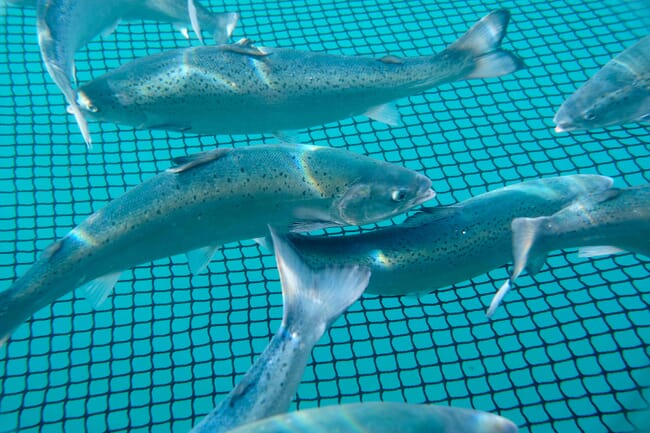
{"x": 483, "y": 41}
{"x": 525, "y": 233}
{"x": 314, "y": 298}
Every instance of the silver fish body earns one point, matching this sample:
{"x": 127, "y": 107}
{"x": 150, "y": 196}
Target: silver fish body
{"x": 446, "y": 244}
{"x": 241, "y": 89}
{"x": 213, "y": 198}
{"x": 313, "y": 299}
{"x": 65, "y": 26}
{"x": 600, "y": 223}
{"x": 382, "y": 417}
{"x": 617, "y": 94}
{"x": 616, "y": 219}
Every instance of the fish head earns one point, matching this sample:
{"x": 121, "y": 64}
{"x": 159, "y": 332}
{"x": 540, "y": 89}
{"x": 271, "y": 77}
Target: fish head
{"x": 387, "y": 193}
{"x": 99, "y": 101}
{"x": 610, "y": 97}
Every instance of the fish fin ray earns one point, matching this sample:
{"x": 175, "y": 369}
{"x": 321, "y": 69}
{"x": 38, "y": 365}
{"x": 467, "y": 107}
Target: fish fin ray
{"x": 187, "y": 162}
{"x": 314, "y": 298}
{"x": 600, "y": 250}
{"x": 525, "y": 251}
{"x": 194, "y": 20}
{"x": 97, "y": 290}
{"x": 200, "y": 258}
{"x": 385, "y": 113}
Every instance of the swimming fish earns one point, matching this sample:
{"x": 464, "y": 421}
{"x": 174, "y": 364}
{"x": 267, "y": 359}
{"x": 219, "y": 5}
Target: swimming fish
{"x": 619, "y": 93}
{"x": 605, "y": 222}
{"x": 242, "y": 89}
{"x": 313, "y": 299}
{"x": 444, "y": 245}
{"x": 209, "y": 199}
{"x": 382, "y": 417}
{"x": 64, "y": 26}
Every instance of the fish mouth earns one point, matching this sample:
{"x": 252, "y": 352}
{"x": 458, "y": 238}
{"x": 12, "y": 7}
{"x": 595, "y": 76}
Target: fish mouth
{"x": 425, "y": 192}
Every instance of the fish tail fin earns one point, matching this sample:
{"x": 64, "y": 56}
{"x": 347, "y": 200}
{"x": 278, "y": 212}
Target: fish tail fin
{"x": 17, "y": 304}
{"x": 74, "y": 109}
{"x": 526, "y": 255}
{"x": 483, "y": 41}
{"x": 314, "y": 298}
{"x": 224, "y": 24}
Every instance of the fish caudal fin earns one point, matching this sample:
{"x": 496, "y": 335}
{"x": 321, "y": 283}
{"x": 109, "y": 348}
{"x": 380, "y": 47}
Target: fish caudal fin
{"x": 314, "y": 298}
{"x": 483, "y": 41}
{"x": 525, "y": 233}
{"x": 225, "y": 23}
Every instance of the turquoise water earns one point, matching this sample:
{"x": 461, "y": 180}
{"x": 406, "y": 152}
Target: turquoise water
{"x": 569, "y": 352}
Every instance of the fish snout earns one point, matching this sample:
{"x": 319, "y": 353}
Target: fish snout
{"x": 424, "y": 191}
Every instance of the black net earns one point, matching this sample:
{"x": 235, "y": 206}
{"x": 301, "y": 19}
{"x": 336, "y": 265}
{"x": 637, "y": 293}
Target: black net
{"x": 568, "y": 351}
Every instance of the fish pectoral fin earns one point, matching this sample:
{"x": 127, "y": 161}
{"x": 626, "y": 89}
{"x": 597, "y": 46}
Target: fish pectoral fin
{"x": 525, "y": 233}
{"x": 601, "y": 250}
{"x": 194, "y": 20}
{"x": 385, "y": 113}
{"x": 97, "y": 290}
{"x": 200, "y": 258}
{"x": 185, "y": 163}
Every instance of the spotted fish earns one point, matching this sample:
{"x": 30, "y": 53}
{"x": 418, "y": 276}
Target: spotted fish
{"x": 382, "y": 417}
{"x": 64, "y": 26}
{"x": 444, "y": 245}
{"x": 617, "y": 94}
{"x": 605, "y": 222}
{"x": 241, "y": 88}
{"x": 210, "y": 199}
{"x": 313, "y": 299}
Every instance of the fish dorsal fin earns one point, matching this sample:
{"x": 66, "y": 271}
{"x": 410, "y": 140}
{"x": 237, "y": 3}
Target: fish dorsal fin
{"x": 200, "y": 258}
{"x": 244, "y": 46}
{"x": 385, "y": 113}
{"x": 601, "y": 250}
{"x": 392, "y": 60}
{"x": 97, "y": 290}
{"x": 184, "y": 163}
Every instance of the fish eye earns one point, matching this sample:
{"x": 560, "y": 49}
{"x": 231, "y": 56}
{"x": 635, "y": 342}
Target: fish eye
{"x": 398, "y": 195}
{"x": 589, "y": 115}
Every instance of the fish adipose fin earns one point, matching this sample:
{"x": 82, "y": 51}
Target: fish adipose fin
{"x": 483, "y": 41}
{"x": 97, "y": 290}
{"x": 524, "y": 235}
{"x": 244, "y": 46}
{"x": 314, "y": 297}
{"x": 185, "y": 163}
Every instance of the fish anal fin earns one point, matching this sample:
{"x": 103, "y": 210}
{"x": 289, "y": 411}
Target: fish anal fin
{"x": 185, "y": 163}
{"x": 97, "y": 290}
{"x": 200, "y": 258}
{"x": 385, "y": 113}
{"x": 601, "y": 250}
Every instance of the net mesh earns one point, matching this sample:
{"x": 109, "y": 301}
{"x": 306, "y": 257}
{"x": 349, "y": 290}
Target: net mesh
{"x": 568, "y": 351}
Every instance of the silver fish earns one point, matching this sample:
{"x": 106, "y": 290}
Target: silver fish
{"x": 313, "y": 299}
{"x": 64, "y": 26}
{"x": 446, "y": 244}
{"x": 242, "y": 89}
{"x": 601, "y": 223}
{"x": 382, "y": 417}
{"x": 619, "y": 93}
{"x": 210, "y": 199}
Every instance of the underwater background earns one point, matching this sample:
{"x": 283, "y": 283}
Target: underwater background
{"x": 567, "y": 352}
